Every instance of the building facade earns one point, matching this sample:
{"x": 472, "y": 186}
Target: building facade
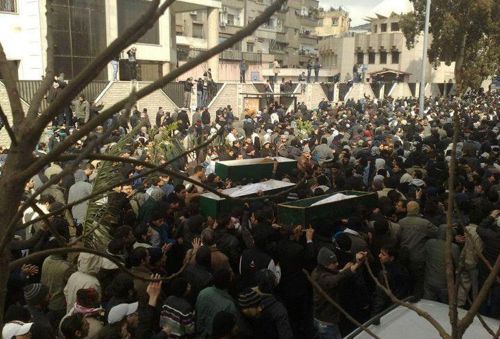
{"x": 83, "y": 28}
{"x": 381, "y": 52}
{"x": 332, "y": 22}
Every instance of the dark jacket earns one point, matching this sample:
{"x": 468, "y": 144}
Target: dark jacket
{"x": 273, "y": 322}
{"x": 399, "y": 283}
{"x": 329, "y": 281}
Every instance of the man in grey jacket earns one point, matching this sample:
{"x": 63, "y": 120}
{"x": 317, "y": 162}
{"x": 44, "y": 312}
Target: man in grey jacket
{"x": 435, "y": 266}
{"x": 79, "y": 190}
{"x": 415, "y": 231}
{"x": 81, "y": 110}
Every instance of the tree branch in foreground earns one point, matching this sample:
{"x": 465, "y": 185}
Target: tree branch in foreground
{"x": 10, "y": 84}
{"x": 412, "y": 307}
{"x": 8, "y": 128}
{"x": 337, "y": 306}
{"x": 106, "y": 114}
{"x": 64, "y": 250}
{"x": 481, "y": 297}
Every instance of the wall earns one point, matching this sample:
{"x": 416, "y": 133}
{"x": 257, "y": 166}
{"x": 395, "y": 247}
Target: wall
{"x": 228, "y": 71}
{"x": 21, "y": 39}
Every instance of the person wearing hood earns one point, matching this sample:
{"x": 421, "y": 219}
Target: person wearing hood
{"x": 88, "y": 267}
{"x": 79, "y": 190}
{"x": 328, "y": 276}
{"x": 435, "y": 286}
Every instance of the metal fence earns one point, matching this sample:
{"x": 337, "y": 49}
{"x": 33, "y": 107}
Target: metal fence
{"x": 28, "y": 88}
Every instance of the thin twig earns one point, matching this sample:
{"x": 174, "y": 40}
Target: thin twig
{"x": 8, "y": 128}
{"x": 337, "y": 306}
{"x": 420, "y": 312}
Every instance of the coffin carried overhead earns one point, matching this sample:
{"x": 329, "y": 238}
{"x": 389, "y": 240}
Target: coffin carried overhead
{"x": 325, "y": 208}
{"x": 255, "y": 169}
{"x": 214, "y": 206}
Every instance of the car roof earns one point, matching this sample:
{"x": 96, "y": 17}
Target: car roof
{"x": 404, "y": 323}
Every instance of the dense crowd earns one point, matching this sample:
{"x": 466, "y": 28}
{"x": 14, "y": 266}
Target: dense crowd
{"x": 241, "y": 275}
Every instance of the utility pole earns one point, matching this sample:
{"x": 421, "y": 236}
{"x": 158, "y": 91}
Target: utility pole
{"x": 424, "y": 57}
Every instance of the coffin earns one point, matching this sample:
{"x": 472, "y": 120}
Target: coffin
{"x": 255, "y": 169}
{"x": 321, "y": 209}
{"x": 214, "y": 206}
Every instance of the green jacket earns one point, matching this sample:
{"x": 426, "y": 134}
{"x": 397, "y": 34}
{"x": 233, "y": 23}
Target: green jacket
{"x": 211, "y": 301}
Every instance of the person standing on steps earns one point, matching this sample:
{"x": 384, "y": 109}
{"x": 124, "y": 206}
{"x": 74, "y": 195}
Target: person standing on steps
{"x": 243, "y": 70}
{"x": 309, "y": 70}
{"x": 317, "y": 66}
{"x": 132, "y": 63}
{"x": 115, "y": 63}
{"x": 188, "y": 88}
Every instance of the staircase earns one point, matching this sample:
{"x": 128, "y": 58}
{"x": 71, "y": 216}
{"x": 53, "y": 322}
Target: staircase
{"x": 358, "y": 91}
{"x": 400, "y": 90}
{"x": 228, "y": 95}
{"x": 313, "y": 94}
{"x": 119, "y": 90}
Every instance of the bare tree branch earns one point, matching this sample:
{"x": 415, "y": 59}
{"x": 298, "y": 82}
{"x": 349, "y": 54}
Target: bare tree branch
{"x": 481, "y": 320}
{"x": 442, "y": 332}
{"x": 64, "y": 250}
{"x": 481, "y": 297}
{"x": 10, "y": 84}
{"x": 106, "y": 114}
{"x": 337, "y": 306}
{"x": 8, "y": 128}
{"x": 450, "y": 269}
{"x": 60, "y": 239}
{"x": 36, "y": 101}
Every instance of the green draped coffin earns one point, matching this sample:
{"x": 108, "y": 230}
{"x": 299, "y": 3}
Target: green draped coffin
{"x": 214, "y": 206}
{"x": 255, "y": 169}
{"x": 305, "y": 212}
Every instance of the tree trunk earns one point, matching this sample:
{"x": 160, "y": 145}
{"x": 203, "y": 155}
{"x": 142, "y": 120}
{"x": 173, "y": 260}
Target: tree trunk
{"x": 11, "y": 188}
{"x": 459, "y": 64}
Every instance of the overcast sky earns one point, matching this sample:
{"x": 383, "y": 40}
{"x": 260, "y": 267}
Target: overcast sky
{"x": 357, "y": 9}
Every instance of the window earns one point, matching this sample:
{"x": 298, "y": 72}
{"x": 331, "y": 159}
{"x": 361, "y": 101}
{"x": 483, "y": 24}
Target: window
{"x": 360, "y": 58}
{"x": 383, "y": 28}
{"x": 197, "y": 30}
{"x": 371, "y": 58}
{"x": 230, "y": 19}
{"x": 383, "y": 57}
{"x": 128, "y": 12}
{"x": 8, "y": 6}
{"x": 335, "y": 22}
{"x": 394, "y": 26}
{"x": 395, "y": 57}
{"x": 79, "y": 33}
{"x": 250, "y": 46}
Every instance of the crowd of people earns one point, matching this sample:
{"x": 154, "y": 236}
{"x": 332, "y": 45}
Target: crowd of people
{"x": 242, "y": 275}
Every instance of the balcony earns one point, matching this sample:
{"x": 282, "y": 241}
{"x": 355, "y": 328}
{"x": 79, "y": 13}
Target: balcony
{"x": 229, "y": 29}
{"x": 230, "y": 55}
{"x": 265, "y": 34}
{"x": 252, "y": 57}
{"x": 295, "y": 72}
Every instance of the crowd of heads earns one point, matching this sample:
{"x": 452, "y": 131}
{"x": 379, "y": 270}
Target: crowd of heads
{"x": 240, "y": 274}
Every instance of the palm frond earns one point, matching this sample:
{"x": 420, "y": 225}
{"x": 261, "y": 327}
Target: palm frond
{"x": 101, "y": 214}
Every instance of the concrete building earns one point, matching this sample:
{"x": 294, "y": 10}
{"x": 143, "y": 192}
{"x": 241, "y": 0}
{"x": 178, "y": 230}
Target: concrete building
{"x": 332, "y": 22}
{"x": 84, "y": 28}
{"x": 382, "y": 51}
{"x": 288, "y": 37}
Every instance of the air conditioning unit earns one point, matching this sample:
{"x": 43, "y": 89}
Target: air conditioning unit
{"x": 193, "y": 13}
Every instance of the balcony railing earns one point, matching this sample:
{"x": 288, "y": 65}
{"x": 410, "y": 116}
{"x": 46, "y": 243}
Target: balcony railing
{"x": 230, "y": 55}
{"x": 252, "y": 57}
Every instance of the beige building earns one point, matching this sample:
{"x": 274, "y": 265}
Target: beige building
{"x": 333, "y": 22}
{"x": 382, "y": 51}
{"x": 288, "y": 37}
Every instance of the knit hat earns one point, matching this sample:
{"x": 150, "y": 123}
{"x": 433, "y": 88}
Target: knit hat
{"x": 35, "y": 293}
{"x": 249, "y": 298}
{"x": 118, "y": 312}
{"x": 306, "y": 149}
{"x": 15, "y": 328}
{"x": 326, "y": 257}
